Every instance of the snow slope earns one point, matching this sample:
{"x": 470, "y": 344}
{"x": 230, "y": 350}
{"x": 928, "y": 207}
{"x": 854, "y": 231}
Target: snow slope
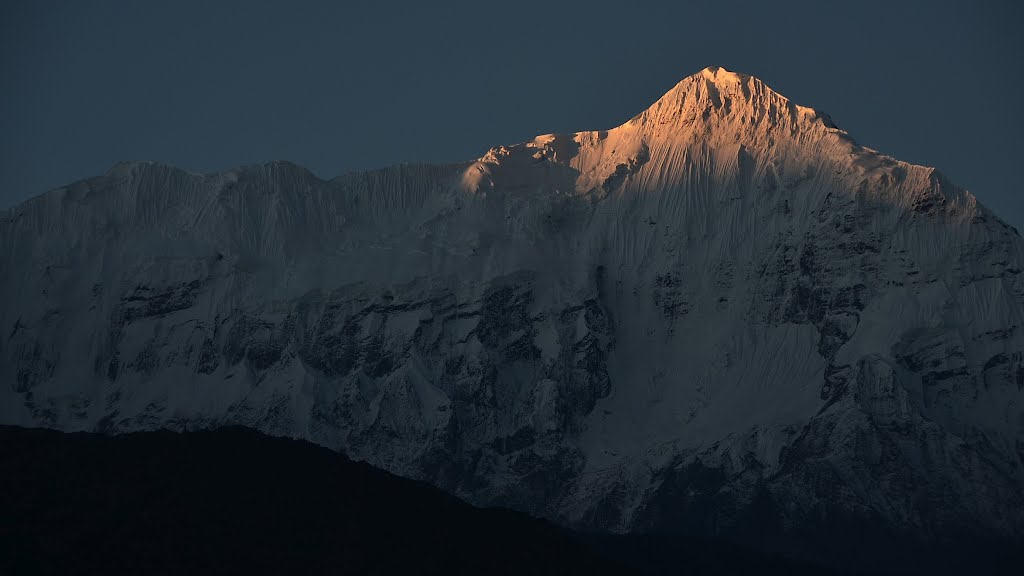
{"x": 644, "y": 328}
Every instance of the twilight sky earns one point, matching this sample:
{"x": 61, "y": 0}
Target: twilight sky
{"x": 341, "y": 86}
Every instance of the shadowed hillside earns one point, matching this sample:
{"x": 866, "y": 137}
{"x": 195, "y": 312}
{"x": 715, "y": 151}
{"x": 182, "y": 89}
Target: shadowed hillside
{"x": 235, "y": 501}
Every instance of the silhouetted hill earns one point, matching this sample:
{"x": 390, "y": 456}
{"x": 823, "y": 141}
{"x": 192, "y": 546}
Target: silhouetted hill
{"x": 236, "y": 501}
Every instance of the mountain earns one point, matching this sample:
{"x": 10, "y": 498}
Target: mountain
{"x": 235, "y": 501}
{"x": 723, "y": 317}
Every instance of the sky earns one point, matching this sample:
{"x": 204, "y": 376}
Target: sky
{"x": 343, "y": 86}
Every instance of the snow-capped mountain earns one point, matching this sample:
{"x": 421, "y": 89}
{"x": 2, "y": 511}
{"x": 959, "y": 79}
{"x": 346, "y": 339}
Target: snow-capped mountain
{"x": 721, "y": 307}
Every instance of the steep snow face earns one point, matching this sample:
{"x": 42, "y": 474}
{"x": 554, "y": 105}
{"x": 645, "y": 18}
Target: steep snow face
{"x": 723, "y": 299}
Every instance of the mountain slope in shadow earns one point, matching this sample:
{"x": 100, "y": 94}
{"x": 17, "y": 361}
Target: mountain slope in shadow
{"x": 236, "y": 501}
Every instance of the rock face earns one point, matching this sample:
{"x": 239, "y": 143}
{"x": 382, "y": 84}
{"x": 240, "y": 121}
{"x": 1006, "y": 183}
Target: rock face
{"x": 722, "y": 303}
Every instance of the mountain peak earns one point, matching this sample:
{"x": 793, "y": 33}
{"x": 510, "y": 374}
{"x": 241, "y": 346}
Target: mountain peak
{"x": 718, "y": 74}
{"x": 713, "y": 109}
{"x": 716, "y": 98}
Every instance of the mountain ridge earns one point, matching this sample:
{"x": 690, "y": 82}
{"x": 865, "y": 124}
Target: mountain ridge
{"x": 713, "y": 76}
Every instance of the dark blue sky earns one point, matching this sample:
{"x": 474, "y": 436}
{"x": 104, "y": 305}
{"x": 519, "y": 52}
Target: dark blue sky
{"x": 340, "y": 86}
